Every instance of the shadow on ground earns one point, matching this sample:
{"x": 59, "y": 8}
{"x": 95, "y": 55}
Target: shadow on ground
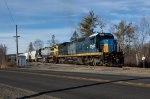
{"x": 77, "y": 87}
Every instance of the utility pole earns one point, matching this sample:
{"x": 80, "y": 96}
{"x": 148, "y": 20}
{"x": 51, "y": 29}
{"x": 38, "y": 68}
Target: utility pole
{"x": 16, "y": 46}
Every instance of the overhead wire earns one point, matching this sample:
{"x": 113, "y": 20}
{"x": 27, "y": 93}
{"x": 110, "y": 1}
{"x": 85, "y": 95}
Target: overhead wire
{"x": 9, "y": 11}
{"x": 69, "y": 10}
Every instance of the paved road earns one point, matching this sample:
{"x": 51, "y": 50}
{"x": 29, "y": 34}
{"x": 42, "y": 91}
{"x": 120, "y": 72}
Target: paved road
{"x": 67, "y": 85}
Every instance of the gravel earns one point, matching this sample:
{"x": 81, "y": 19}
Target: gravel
{"x": 131, "y": 71}
{"x": 9, "y": 92}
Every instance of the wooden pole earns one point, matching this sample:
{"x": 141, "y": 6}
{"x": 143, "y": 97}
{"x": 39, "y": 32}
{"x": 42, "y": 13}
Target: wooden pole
{"x": 17, "y": 46}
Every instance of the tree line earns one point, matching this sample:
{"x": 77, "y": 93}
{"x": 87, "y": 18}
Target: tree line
{"x": 132, "y": 38}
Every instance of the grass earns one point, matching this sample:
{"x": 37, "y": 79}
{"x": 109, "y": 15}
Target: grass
{"x": 8, "y": 65}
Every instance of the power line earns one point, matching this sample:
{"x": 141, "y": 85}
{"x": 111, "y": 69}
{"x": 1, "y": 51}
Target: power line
{"x": 13, "y": 21}
{"x": 10, "y": 14}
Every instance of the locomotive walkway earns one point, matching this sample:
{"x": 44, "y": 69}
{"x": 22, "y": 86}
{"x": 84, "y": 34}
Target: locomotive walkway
{"x": 75, "y": 85}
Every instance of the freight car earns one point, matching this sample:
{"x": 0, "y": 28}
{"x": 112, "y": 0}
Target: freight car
{"x": 47, "y": 54}
{"x": 39, "y": 55}
{"x": 30, "y": 56}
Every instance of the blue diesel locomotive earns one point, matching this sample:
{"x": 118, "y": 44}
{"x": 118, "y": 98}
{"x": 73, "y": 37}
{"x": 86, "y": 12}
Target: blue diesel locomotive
{"x": 97, "y": 49}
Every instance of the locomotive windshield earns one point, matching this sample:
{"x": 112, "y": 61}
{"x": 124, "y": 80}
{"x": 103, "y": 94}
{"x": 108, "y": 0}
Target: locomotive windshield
{"x": 105, "y": 36}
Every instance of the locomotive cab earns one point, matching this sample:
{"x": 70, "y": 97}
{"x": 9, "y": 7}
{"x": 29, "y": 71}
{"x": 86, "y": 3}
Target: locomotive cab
{"x": 106, "y": 44}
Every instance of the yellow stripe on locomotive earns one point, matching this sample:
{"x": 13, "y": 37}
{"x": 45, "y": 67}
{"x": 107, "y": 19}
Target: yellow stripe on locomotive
{"x": 105, "y": 49}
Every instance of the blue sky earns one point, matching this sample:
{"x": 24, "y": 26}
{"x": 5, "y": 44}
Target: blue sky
{"x": 39, "y": 19}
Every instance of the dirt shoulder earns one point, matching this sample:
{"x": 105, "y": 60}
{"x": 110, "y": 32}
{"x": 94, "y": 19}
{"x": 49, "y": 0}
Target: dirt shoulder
{"x": 131, "y": 71}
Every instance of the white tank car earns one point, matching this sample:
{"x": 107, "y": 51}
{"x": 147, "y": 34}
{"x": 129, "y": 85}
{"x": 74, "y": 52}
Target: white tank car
{"x": 33, "y": 55}
{"x": 27, "y": 56}
{"x": 45, "y": 51}
{"x": 30, "y": 56}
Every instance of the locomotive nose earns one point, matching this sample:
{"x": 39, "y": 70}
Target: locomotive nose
{"x": 105, "y": 47}
{"x": 109, "y": 46}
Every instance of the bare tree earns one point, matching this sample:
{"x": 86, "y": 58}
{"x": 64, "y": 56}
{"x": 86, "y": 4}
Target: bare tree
{"x": 124, "y": 34}
{"x": 3, "y": 49}
{"x": 38, "y": 44}
{"x": 111, "y": 28}
{"x": 101, "y": 24}
{"x": 142, "y": 31}
{"x": 52, "y": 41}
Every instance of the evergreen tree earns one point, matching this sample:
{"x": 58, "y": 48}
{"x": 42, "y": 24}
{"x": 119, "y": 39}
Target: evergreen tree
{"x": 30, "y": 48}
{"x": 88, "y": 24}
{"x": 52, "y": 41}
{"x": 74, "y": 37}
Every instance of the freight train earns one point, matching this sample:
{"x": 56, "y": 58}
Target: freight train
{"x": 97, "y": 49}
